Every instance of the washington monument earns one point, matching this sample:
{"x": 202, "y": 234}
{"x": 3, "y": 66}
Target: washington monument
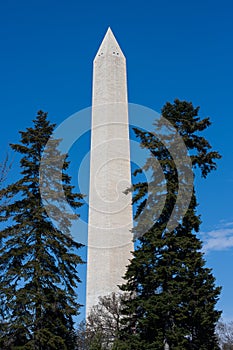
{"x": 110, "y": 211}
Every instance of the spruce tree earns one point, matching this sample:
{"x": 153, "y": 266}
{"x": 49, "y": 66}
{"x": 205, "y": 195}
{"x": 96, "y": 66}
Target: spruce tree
{"x": 38, "y": 260}
{"x": 172, "y": 294}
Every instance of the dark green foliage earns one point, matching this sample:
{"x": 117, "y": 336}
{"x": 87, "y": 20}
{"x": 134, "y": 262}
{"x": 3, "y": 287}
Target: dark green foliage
{"x": 172, "y": 293}
{"x": 38, "y": 262}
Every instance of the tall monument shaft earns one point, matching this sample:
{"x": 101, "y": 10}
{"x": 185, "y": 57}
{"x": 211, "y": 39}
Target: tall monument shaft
{"x": 110, "y": 210}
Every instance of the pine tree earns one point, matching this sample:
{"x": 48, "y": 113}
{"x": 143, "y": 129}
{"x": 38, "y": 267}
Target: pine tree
{"x": 38, "y": 260}
{"x": 172, "y": 293}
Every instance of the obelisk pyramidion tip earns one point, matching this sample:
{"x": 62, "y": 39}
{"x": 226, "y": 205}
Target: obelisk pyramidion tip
{"x": 109, "y": 46}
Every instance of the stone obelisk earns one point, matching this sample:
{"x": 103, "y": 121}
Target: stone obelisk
{"x": 110, "y": 211}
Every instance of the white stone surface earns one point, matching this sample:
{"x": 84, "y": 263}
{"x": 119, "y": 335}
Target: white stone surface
{"x": 110, "y": 210}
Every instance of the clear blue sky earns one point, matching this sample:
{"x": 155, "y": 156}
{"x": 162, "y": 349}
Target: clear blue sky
{"x": 174, "y": 49}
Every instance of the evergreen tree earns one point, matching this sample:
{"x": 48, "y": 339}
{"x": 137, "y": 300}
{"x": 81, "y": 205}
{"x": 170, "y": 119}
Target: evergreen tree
{"x": 172, "y": 294}
{"x": 38, "y": 261}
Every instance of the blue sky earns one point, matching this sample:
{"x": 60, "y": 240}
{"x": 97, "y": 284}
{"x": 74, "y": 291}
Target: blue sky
{"x": 174, "y": 49}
